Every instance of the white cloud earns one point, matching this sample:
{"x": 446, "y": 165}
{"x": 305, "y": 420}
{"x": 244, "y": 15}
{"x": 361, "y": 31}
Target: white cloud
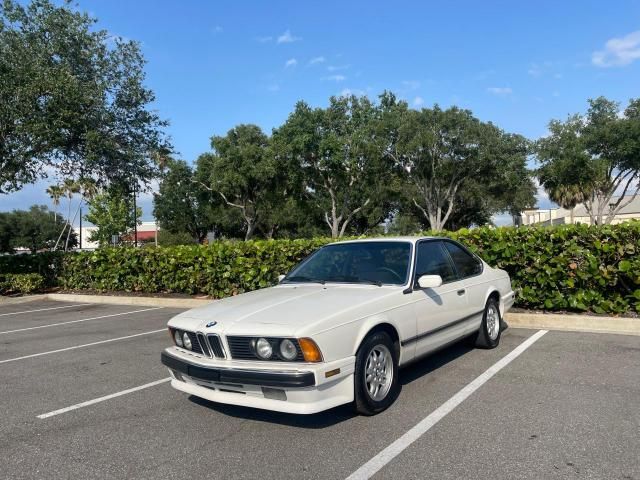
{"x": 286, "y": 37}
{"x": 500, "y": 91}
{"x": 618, "y": 52}
{"x": 217, "y": 29}
{"x": 411, "y": 84}
{"x": 316, "y": 60}
{"x": 292, "y": 62}
{"x": 336, "y": 78}
{"x": 264, "y": 39}
{"x": 336, "y": 68}
{"x": 418, "y": 101}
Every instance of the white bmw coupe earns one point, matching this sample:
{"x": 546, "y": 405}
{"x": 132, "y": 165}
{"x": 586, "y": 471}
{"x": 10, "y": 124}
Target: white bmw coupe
{"x": 339, "y": 326}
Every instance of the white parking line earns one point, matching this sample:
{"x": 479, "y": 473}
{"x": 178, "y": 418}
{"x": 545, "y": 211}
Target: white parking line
{"x": 102, "y": 399}
{"x": 43, "y": 309}
{"x": 81, "y": 346}
{"x": 385, "y": 456}
{"x": 77, "y": 321}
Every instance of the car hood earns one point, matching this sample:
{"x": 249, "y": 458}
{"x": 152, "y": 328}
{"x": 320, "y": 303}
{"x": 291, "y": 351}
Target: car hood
{"x": 284, "y": 309}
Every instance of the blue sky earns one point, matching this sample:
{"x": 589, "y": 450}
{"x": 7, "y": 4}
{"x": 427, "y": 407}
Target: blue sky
{"x": 213, "y": 65}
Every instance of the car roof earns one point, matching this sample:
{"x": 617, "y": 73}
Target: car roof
{"x": 410, "y": 239}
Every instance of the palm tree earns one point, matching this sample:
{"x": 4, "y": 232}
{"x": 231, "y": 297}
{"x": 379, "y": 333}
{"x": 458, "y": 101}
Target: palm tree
{"x": 55, "y": 192}
{"x": 69, "y": 188}
{"x": 567, "y": 196}
{"x": 88, "y": 188}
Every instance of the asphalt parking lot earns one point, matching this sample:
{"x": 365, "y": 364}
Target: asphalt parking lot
{"x": 567, "y": 407}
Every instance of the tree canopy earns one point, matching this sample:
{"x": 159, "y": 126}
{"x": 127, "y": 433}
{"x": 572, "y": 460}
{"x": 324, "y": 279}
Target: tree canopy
{"x": 184, "y": 206}
{"x": 339, "y": 155}
{"x": 72, "y": 100}
{"x": 35, "y": 229}
{"x": 454, "y": 164}
{"x": 593, "y": 158}
{"x": 350, "y": 168}
{"x": 244, "y": 172}
{"x": 111, "y": 211}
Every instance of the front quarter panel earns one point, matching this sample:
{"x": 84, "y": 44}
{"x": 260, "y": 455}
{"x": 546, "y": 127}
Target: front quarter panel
{"x": 344, "y": 340}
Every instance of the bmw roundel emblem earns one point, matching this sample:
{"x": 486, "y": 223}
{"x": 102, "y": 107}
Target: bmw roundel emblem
{"x": 211, "y": 324}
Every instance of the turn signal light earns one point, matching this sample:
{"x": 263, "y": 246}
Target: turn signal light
{"x": 310, "y": 350}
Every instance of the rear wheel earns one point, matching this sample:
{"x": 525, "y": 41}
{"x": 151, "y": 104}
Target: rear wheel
{"x": 376, "y": 374}
{"x": 490, "y": 329}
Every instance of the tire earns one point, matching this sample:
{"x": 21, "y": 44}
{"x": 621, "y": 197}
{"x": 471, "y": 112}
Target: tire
{"x": 491, "y": 326}
{"x": 377, "y": 354}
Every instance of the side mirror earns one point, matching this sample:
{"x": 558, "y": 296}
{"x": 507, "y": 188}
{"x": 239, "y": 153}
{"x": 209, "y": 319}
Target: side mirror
{"x": 430, "y": 281}
{"x": 280, "y": 278}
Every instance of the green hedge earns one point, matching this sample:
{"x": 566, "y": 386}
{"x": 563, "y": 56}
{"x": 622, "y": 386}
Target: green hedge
{"x": 21, "y": 283}
{"x": 575, "y": 268}
{"x": 46, "y": 264}
{"x": 220, "y": 269}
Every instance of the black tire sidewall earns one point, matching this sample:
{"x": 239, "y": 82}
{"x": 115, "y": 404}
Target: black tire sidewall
{"x": 363, "y": 402}
{"x": 486, "y": 340}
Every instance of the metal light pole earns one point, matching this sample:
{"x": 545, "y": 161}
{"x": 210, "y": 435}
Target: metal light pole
{"x": 135, "y": 218}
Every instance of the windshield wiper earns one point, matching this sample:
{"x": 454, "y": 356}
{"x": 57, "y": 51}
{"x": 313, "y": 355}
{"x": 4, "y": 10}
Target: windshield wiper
{"x": 348, "y": 279}
{"x": 302, "y": 278}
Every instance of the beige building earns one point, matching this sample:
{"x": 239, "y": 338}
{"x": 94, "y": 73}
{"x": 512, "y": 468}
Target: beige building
{"x": 558, "y": 216}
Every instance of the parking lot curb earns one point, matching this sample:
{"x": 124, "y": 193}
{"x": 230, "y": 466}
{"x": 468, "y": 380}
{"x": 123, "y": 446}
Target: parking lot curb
{"x": 129, "y": 300}
{"x": 17, "y": 300}
{"x": 574, "y": 323}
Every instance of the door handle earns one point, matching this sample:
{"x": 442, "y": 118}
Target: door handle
{"x": 461, "y": 291}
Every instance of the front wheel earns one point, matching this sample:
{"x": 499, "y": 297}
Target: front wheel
{"x": 489, "y": 333}
{"x": 376, "y": 374}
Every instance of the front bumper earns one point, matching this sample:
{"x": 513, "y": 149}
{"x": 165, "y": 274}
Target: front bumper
{"x": 284, "y": 379}
{"x": 301, "y": 388}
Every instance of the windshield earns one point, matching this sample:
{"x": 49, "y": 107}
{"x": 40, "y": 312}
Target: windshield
{"x": 359, "y": 262}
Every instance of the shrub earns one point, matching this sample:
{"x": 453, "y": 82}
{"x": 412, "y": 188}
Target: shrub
{"x": 21, "y": 283}
{"x": 573, "y": 267}
{"x": 221, "y": 269}
{"x": 47, "y": 264}
{"x": 168, "y": 239}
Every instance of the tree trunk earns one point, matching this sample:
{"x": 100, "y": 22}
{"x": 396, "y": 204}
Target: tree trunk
{"x": 335, "y": 230}
{"x": 66, "y": 243}
{"x": 251, "y": 227}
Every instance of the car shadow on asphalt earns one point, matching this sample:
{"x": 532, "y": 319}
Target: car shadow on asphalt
{"x": 434, "y": 361}
{"x": 344, "y": 412}
{"x": 314, "y": 421}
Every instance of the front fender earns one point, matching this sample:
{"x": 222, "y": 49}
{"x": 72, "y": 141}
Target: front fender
{"x": 344, "y": 340}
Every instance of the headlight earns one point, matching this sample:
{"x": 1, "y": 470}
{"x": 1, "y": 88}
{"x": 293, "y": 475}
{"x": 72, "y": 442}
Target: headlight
{"x": 186, "y": 341}
{"x": 177, "y": 337}
{"x": 263, "y": 349}
{"x": 288, "y": 350}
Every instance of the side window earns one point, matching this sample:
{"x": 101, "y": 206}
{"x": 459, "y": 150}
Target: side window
{"x": 466, "y": 264}
{"x": 432, "y": 260}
